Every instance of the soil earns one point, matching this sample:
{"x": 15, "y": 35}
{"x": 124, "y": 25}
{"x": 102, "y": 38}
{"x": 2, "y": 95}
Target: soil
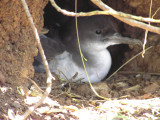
{"x": 129, "y": 95}
{"x": 132, "y": 93}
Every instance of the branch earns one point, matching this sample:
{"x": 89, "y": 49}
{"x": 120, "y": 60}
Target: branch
{"x": 131, "y": 22}
{"x": 127, "y": 18}
{"x": 49, "y": 75}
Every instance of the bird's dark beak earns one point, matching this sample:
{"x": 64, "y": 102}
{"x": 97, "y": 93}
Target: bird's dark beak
{"x": 118, "y": 39}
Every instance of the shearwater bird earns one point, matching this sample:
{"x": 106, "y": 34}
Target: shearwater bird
{"x": 96, "y": 33}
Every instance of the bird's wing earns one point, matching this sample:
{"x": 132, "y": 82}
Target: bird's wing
{"x": 52, "y": 47}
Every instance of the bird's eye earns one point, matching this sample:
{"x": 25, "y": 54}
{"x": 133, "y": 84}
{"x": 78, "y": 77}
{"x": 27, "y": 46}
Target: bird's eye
{"x": 98, "y": 32}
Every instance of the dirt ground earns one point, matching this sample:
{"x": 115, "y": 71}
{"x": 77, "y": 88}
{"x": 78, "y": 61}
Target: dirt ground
{"x": 131, "y": 94}
{"x": 128, "y": 95}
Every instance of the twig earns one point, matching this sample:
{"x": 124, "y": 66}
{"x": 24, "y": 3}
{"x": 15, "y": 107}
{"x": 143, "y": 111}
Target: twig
{"x": 127, "y": 18}
{"x": 131, "y": 22}
{"x": 146, "y": 32}
{"x": 97, "y": 12}
{"x": 49, "y": 75}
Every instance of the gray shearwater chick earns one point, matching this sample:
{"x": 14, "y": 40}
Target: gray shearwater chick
{"x": 96, "y": 33}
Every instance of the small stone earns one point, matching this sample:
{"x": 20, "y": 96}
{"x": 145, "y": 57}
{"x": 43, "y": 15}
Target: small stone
{"x": 122, "y": 85}
{"x": 138, "y": 76}
{"x": 102, "y": 89}
{"x": 15, "y": 104}
{"x": 2, "y": 78}
{"x": 151, "y": 88}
